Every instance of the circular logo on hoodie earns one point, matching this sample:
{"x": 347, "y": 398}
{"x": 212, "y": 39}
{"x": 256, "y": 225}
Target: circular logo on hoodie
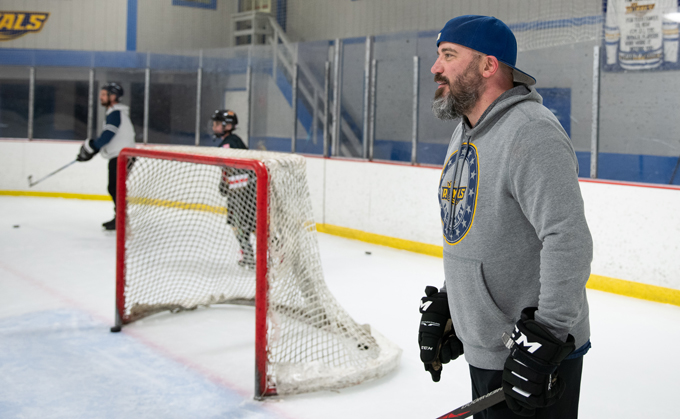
{"x": 458, "y": 193}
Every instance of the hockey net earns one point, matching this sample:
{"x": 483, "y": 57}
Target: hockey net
{"x": 548, "y": 23}
{"x": 184, "y": 222}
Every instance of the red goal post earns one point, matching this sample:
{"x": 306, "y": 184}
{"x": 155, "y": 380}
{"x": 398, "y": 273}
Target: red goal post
{"x": 184, "y": 218}
{"x": 261, "y": 234}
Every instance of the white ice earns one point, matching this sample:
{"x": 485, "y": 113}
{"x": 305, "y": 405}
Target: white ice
{"x": 59, "y": 360}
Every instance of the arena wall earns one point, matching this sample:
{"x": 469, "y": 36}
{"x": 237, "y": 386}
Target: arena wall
{"x": 311, "y": 20}
{"x": 125, "y": 25}
{"x": 80, "y": 25}
{"x": 165, "y": 27}
{"x": 635, "y": 227}
{"x": 633, "y": 121}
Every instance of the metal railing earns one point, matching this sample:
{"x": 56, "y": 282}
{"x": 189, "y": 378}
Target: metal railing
{"x": 285, "y": 55}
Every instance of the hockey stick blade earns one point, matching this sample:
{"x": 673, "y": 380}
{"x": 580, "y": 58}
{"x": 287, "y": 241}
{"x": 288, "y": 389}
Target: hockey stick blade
{"x": 30, "y": 177}
{"x": 477, "y": 405}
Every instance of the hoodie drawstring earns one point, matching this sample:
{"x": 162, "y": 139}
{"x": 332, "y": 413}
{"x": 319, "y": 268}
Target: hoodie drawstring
{"x": 457, "y": 177}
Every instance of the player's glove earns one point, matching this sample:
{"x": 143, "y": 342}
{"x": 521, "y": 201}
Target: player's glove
{"x": 86, "y": 151}
{"x": 530, "y": 379}
{"x": 436, "y": 336}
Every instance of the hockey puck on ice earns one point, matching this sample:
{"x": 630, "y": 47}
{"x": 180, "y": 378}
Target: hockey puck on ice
{"x": 16, "y": 226}
{"x": 368, "y": 253}
{"x": 115, "y": 329}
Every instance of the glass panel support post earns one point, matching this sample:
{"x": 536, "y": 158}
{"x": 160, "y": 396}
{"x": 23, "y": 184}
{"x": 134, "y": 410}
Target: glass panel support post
{"x": 416, "y": 96}
{"x": 294, "y": 83}
{"x": 199, "y": 81}
{"x": 31, "y": 101}
{"x": 90, "y": 105}
{"x": 326, "y": 107}
{"x": 337, "y": 98}
{"x": 595, "y": 128}
{"x": 147, "y": 83}
{"x": 367, "y": 94}
{"x": 371, "y": 119}
{"x": 249, "y": 93}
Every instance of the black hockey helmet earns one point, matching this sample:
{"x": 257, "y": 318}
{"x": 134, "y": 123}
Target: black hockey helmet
{"x": 113, "y": 89}
{"x": 225, "y": 116}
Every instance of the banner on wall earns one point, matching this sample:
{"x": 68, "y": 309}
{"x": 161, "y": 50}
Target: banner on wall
{"x": 16, "y": 24}
{"x": 641, "y": 35}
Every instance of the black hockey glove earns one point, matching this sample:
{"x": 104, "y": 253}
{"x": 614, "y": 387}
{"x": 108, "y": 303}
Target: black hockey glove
{"x": 436, "y": 336}
{"x": 529, "y": 377}
{"x": 86, "y": 151}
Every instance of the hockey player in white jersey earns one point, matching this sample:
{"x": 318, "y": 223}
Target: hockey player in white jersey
{"x": 638, "y": 34}
{"x": 117, "y": 134}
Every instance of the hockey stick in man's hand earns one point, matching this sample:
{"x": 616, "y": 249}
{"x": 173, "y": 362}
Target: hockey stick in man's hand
{"x": 484, "y": 402}
{"x": 477, "y": 405}
{"x": 31, "y": 183}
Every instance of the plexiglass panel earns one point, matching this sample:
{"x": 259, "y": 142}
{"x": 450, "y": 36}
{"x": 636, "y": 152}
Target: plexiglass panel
{"x": 271, "y": 125}
{"x": 14, "y": 87}
{"x": 224, "y": 86}
{"x": 394, "y": 96}
{"x": 61, "y": 103}
{"x": 433, "y": 134}
{"x": 312, "y": 58}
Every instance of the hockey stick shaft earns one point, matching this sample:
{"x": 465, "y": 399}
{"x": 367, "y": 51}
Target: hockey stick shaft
{"x": 30, "y": 183}
{"x": 477, "y": 405}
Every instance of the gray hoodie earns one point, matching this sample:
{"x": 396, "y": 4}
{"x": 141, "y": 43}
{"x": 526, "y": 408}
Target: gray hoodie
{"x": 519, "y": 237}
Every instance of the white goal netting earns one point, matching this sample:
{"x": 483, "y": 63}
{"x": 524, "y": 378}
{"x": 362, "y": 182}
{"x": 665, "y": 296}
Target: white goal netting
{"x": 543, "y": 23}
{"x": 190, "y": 241}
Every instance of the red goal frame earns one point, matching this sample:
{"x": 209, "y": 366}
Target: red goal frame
{"x": 261, "y": 232}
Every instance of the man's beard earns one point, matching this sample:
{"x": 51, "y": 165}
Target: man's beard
{"x": 463, "y": 94}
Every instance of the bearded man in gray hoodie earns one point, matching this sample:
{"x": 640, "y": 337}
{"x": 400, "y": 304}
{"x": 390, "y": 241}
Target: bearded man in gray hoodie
{"x": 517, "y": 248}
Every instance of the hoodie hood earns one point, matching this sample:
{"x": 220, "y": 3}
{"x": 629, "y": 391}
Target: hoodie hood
{"x": 519, "y": 93}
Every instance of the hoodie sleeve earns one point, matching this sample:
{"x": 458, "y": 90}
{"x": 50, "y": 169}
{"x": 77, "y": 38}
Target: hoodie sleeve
{"x": 110, "y": 130}
{"x": 543, "y": 173}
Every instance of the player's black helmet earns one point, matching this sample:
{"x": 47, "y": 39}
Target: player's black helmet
{"x": 225, "y": 116}
{"x": 113, "y": 89}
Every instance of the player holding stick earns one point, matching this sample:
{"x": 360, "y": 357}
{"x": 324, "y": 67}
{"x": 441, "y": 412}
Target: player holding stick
{"x": 517, "y": 248}
{"x": 117, "y": 134}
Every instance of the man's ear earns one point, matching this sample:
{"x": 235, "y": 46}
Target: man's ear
{"x": 491, "y": 66}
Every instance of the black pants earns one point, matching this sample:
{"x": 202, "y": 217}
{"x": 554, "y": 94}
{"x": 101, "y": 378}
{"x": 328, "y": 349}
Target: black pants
{"x": 241, "y": 216}
{"x": 113, "y": 177}
{"x": 484, "y": 381}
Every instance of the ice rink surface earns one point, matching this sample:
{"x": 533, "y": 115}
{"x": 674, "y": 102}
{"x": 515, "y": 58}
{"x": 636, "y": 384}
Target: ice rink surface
{"x": 59, "y": 360}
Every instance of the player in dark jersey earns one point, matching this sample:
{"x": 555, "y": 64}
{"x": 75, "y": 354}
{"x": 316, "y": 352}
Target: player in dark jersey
{"x": 224, "y": 123}
{"x": 238, "y": 185}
